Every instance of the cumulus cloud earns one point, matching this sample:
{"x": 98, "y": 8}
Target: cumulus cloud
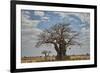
{"x": 42, "y": 15}
{"x": 39, "y": 13}
{"x": 29, "y": 33}
{"x": 61, "y": 14}
{"x": 30, "y": 23}
{"x": 44, "y": 18}
{"x": 27, "y": 12}
{"x": 85, "y": 17}
{"x": 27, "y": 22}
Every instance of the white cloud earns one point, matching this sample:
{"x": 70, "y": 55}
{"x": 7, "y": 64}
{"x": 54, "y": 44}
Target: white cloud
{"x": 85, "y": 17}
{"x": 29, "y": 31}
{"x": 30, "y": 35}
{"x": 62, "y": 14}
{"x": 39, "y": 13}
{"x": 36, "y": 31}
{"x": 27, "y": 12}
{"x": 85, "y": 30}
{"x": 44, "y": 18}
{"x": 30, "y": 23}
{"x": 27, "y": 22}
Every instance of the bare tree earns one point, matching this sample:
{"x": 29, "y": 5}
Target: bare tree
{"x": 61, "y": 36}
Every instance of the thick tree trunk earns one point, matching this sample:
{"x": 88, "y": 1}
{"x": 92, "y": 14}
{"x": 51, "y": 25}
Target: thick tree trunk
{"x": 58, "y": 57}
{"x": 61, "y": 51}
{"x": 61, "y": 55}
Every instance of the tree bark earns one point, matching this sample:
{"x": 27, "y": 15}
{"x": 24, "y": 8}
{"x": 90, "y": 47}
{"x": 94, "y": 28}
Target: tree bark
{"x": 61, "y": 53}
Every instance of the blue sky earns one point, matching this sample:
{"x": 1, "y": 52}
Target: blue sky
{"x": 34, "y": 22}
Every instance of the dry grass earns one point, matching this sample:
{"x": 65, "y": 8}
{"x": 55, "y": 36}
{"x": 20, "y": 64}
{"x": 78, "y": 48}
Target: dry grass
{"x": 53, "y": 58}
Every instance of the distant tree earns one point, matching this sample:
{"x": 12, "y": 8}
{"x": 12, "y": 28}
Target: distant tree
{"x": 45, "y": 53}
{"x": 87, "y": 54}
{"x": 61, "y": 36}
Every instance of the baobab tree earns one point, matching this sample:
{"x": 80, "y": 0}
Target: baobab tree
{"x": 61, "y": 36}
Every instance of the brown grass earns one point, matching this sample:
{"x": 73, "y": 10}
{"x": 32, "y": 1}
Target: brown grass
{"x": 53, "y": 58}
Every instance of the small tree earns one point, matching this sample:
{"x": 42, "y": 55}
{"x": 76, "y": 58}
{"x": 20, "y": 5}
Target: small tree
{"x": 45, "y": 53}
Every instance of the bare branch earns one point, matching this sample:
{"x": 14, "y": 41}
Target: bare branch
{"x": 57, "y": 36}
{"x": 72, "y": 40}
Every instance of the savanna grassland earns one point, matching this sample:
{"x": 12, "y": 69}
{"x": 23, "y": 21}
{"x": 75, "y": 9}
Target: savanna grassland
{"x": 53, "y": 58}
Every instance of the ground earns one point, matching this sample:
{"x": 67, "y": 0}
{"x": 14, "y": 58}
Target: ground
{"x": 53, "y": 58}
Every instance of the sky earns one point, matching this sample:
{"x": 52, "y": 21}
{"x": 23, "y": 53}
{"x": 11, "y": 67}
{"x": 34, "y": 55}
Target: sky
{"x": 34, "y": 22}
